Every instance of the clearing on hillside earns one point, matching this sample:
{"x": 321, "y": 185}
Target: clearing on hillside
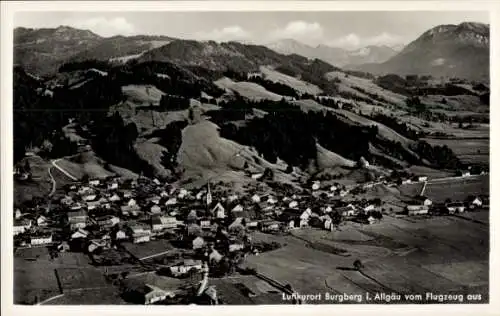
{"x": 143, "y": 95}
{"x": 249, "y": 90}
{"x": 297, "y": 84}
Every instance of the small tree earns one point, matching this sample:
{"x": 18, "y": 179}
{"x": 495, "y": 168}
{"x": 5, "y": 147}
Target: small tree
{"x": 358, "y": 265}
{"x": 27, "y": 167}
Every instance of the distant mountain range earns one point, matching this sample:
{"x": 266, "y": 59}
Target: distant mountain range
{"x": 42, "y": 51}
{"x": 446, "y": 50}
{"x": 334, "y": 55}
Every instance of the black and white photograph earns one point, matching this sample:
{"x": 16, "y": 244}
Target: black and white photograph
{"x": 250, "y": 157}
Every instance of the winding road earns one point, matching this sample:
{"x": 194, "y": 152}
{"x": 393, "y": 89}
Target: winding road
{"x": 49, "y": 170}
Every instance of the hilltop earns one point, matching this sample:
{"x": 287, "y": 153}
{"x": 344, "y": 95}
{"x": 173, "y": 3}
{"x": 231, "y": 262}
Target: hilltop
{"x": 446, "y": 50}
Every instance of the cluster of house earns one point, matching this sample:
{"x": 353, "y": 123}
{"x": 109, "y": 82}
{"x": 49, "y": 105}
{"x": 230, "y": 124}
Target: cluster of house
{"x": 422, "y": 205}
{"x": 104, "y": 211}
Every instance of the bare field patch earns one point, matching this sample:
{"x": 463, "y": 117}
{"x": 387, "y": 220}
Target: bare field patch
{"x": 102, "y": 296}
{"x": 297, "y": 84}
{"x": 248, "y": 90}
{"x": 80, "y": 278}
{"x": 468, "y": 273}
{"x": 151, "y": 248}
{"x": 457, "y": 189}
{"x": 143, "y": 94}
{"x": 468, "y": 150}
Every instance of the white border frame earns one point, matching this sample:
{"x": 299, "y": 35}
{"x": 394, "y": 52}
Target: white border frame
{"x": 8, "y": 8}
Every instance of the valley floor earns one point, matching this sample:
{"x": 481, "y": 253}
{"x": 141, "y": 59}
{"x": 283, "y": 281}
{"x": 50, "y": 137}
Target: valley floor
{"x": 443, "y": 255}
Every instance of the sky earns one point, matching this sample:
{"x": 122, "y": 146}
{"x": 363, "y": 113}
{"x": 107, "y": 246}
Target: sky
{"x": 346, "y": 29}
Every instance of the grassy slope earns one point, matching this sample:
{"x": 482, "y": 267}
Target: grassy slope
{"x": 297, "y": 84}
{"x": 142, "y": 94}
{"x": 248, "y": 90}
{"x": 328, "y": 159}
{"x": 367, "y": 85}
{"x": 152, "y": 153}
{"x": 86, "y": 163}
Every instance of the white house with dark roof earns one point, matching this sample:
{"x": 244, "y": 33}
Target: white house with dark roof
{"x": 41, "y": 239}
{"x": 219, "y": 211}
{"x": 77, "y": 219}
{"x": 41, "y": 221}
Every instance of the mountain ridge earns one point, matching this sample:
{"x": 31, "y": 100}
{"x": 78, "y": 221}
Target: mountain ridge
{"x": 448, "y": 50}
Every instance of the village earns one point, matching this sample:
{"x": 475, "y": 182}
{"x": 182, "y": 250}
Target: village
{"x": 210, "y": 228}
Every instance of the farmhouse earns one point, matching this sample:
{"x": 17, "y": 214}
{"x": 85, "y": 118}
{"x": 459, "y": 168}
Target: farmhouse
{"x": 130, "y": 210}
{"x": 66, "y": 201}
{"x": 84, "y": 190}
{"x": 94, "y": 182}
{"x": 41, "y": 239}
{"x": 76, "y": 206}
{"x": 163, "y": 222}
{"x": 112, "y": 186}
{"x": 455, "y": 207}
{"x": 139, "y": 233}
{"x": 346, "y": 211}
{"x": 269, "y": 225}
{"x": 41, "y": 221}
{"x": 141, "y": 237}
{"x": 107, "y": 221}
{"x": 422, "y": 179}
{"x": 304, "y": 217}
{"x": 93, "y": 205}
{"x": 474, "y": 202}
{"x": 414, "y": 210}
{"x": 316, "y": 185}
{"x": 20, "y": 226}
{"x": 293, "y": 204}
{"x": 219, "y": 211}
{"x": 198, "y": 243}
{"x": 120, "y": 235}
{"x": 144, "y": 293}
{"x": 171, "y": 201}
{"x": 90, "y": 197}
{"x": 256, "y": 198}
{"x": 155, "y": 209}
{"x": 205, "y": 223}
{"x": 422, "y": 200}
{"x": 79, "y": 234}
{"x": 77, "y": 219}
{"x": 185, "y": 266}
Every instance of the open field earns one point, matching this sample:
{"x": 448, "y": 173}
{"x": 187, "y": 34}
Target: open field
{"x": 398, "y": 255}
{"x": 82, "y": 164}
{"x": 68, "y": 274}
{"x": 80, "y": 278}
{"x": 457, "y": 189}
{"x": 347, "y": 82}
{"x": 152, "y": 153}
{"x": 248, "y": 90}
{"x": 101, "y": 296}
{"x": 148, "y": 249}
{"x": 467, "y": 150}
{"x": 230, "y": 292}
{"x": 33, "y": 280}
{"x": 429, "y": 172}
{"x": 39, "y": 186}
{"x": 143, "y": 94}
{"x": 297, "y": 84}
